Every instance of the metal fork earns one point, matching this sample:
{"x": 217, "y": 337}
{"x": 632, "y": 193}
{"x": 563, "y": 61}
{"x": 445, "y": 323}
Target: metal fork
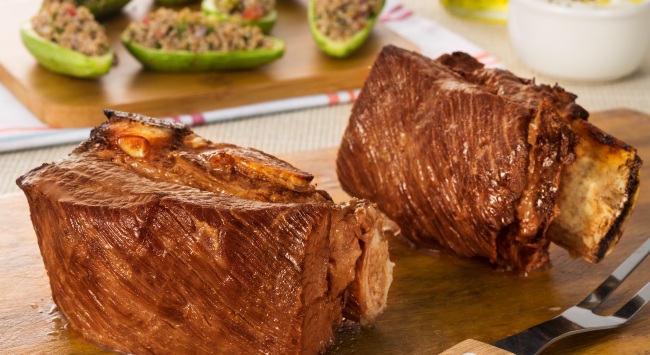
{"x": 577, "y": 319}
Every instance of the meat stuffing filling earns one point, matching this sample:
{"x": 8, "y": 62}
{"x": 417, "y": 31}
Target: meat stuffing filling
{"x": 248, "y": 9}
{"x": 86, "y": 3}
{"x": 340, "y": 20}
{"x": 71, "y": 27}
{"x": 185, "y": 30}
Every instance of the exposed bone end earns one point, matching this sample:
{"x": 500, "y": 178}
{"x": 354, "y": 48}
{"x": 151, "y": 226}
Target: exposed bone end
{"x": 597, "y": 193}
{"x": 368, "y": 292}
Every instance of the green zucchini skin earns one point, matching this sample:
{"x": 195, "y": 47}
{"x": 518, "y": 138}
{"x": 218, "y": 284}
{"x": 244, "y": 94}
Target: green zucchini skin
{"x": 103, "y": 8}
{"x": 185, "y": 61}
{"x": 338, "y": 49}
{"x": 266, "y": 23}
{"x": 62, "y": 60}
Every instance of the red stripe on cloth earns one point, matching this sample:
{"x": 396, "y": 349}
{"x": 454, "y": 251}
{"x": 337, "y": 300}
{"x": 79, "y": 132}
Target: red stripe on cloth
{"x": 395, "y": 9}
{"x": 403, "y": 16}
{"x": 396, "y": 13}
{"x": 332, "y": 99}
{"x": 481, "y": 56}
{"x": 197, "y": 119}
{"x": 396, "y": 17}
{"x": 387, "y": 15}
{"x": 176, "y": 119}
{"x": 353, "y": 95}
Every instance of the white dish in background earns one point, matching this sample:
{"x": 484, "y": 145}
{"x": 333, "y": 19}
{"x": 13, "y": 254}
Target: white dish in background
{"x": 580, "y": 41}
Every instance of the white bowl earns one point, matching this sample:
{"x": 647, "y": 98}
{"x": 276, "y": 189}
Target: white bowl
{"x": 580, "y": 41}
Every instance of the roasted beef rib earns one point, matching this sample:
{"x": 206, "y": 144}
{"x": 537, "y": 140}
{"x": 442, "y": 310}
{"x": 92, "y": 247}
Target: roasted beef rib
{"x": 484, "y": 163}
{"x": 156, "y": 240}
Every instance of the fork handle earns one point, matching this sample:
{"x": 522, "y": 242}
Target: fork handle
{"x": 475, "y": 347}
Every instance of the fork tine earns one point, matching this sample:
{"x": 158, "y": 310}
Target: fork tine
{"x": 635, "y": 304}
{"x": 612, "y": 282}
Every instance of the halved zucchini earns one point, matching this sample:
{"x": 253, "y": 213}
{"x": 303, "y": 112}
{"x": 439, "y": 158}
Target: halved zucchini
{"x": 63, "y": 60}
{"x": 335, "y": 48}
{"x": 265, "y": 23}
{"x": 186, "y": 61}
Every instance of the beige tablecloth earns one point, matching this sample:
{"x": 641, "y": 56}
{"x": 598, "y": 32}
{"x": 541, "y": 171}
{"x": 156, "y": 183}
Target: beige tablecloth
{"x": 322, "y": 127}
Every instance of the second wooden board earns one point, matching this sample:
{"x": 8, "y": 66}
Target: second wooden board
{"x": 68, "y": 102}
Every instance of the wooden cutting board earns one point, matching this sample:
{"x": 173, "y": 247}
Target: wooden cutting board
{"x": 67, "y": 102}
{"x": 435, "y": 301}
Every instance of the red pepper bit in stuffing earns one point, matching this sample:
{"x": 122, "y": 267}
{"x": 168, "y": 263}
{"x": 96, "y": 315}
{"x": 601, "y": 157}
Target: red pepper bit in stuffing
{"x": 71, "y": 11}
{"x": 252, "y": 12}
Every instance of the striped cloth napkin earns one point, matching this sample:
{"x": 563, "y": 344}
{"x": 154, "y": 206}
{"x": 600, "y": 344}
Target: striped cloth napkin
{"x": 431, "y": 39}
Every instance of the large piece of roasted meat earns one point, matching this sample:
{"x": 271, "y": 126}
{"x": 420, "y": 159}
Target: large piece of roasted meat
{"x": 156, "y": 240}
{"x": 483, "y": 163}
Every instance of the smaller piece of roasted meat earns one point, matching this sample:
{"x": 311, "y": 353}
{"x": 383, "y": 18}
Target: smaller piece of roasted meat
{"x": 484, "y": 163}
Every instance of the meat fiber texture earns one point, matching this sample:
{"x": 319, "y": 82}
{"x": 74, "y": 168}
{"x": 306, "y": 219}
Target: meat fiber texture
{"x": 156, "y": 240}
{"x": 472, "y": 160}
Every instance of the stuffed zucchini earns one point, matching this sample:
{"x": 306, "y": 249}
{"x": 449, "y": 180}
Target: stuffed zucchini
{"x": 260, "y": 13}
{"x": 187, "y": 41}
{"x": 67, "y": 40}
{"x": 340, "y": 27}
{"x": 99, "y": 8}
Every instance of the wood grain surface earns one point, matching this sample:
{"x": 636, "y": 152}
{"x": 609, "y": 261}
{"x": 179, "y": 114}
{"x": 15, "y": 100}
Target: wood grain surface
{"x": 68, "y": 102}
{"x": 435, "y": 302}
{"x": 471, "y": 346}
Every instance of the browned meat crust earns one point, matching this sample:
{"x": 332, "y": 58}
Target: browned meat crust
{"x": 465, "y": 158}
{"x": 156, "y": 240}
